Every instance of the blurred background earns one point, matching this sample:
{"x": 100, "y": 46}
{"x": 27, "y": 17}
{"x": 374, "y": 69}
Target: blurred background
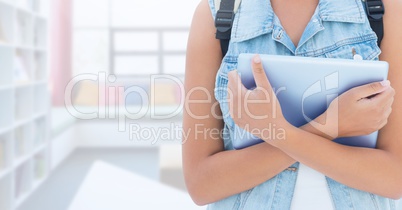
{"x": 90, "y": 104}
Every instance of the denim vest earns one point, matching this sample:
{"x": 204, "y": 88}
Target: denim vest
{"x": 336, "y": 27}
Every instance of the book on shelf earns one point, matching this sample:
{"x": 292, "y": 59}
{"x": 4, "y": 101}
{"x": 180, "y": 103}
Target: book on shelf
{"x": 19, "y": 142}
{"x": 39, "y": 167}
{"x": 2, "y": 36}
{"x": 40, "y": 131}
{"x": 38, "y": 63}
{"x": 21, "y": 67}
{"x": 36, "y": 35}
{"x": 2, "y": 154}
{"x": 23, "y": 29}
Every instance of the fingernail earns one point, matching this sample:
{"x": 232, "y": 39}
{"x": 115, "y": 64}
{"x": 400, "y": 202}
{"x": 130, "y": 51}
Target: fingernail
{"x": 257, "y": 59}
{"x": 385, "y": 83}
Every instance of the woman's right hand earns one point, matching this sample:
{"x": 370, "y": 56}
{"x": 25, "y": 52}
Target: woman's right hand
{"x": 359, "y": 111}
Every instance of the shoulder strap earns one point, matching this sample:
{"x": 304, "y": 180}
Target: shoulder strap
{"x": 375, "y": 11}
{"x": 224, "y": 20}
{"x": 226, "y": 10}
{"x": 236, "y": 4}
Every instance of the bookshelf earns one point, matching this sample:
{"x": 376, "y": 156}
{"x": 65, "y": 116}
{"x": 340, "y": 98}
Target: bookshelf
{"x": 25, "y": 100}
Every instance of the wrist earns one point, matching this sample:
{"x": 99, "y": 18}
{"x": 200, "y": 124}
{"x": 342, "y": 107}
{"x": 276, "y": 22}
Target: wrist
{"x": 322, "y": 131}
{"x": 289, "y": 133}
{"x": 276, "y": 131}
{"x": 323, "y": 126}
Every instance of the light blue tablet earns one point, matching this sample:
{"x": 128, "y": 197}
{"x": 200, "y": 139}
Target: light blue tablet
{"x": 306, "y": 86}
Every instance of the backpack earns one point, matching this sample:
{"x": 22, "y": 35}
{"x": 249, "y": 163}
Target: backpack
{"x": 226, "y": 10}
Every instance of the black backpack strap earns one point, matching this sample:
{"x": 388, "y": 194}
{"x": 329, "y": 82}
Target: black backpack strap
{"x": 223, "y": 23}
{"x": 375, "y": 12}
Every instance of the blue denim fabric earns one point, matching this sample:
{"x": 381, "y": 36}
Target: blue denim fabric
{"x": 336, "y": 27}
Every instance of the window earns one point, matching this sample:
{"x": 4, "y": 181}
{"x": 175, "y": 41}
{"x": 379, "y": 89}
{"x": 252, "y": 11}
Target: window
{"x": 129, "y": 37}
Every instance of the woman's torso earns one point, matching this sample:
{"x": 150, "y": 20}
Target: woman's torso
{"x": 335, "y": 28}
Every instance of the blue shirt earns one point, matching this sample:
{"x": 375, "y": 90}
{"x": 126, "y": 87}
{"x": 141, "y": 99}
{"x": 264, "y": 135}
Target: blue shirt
{"x": 336, "y": 27}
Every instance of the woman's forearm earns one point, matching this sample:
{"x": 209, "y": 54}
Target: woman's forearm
{"x": 230, "y": 172}
{"x": 371, "y": 170}
{"x": 247, "y": 168}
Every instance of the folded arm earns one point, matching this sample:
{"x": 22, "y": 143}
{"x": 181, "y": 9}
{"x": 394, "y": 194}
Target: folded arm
{"x": 374, "y": 170}
{"x": 210, "y": 172}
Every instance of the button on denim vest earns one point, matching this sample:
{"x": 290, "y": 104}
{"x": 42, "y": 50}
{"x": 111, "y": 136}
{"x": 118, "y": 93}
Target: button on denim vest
{"x": 337, "y": 27}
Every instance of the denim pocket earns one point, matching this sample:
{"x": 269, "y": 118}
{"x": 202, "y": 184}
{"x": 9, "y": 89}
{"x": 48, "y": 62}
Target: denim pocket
{"x": 346, "y": 49}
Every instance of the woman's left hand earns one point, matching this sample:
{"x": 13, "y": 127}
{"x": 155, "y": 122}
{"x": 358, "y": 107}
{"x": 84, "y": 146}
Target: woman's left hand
{"x": 255, "y": 110}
